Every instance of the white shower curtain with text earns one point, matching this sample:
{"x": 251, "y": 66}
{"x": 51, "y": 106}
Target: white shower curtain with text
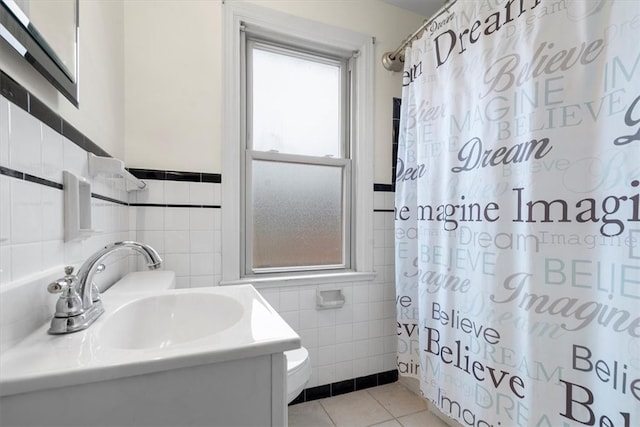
{"x": 518, "y": 213}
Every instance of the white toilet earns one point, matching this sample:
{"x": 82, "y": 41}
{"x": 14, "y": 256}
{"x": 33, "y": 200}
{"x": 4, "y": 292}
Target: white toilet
{"x": 298, "y": 371}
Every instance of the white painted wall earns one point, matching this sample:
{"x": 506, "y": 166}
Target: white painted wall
{"x": 101, "y": 113}
{"x": 173, "y": 76}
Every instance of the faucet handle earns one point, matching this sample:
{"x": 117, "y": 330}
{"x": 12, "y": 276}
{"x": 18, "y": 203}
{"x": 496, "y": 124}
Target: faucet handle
{"x": 60, "y": 285}
{"x": 57, "y": 286}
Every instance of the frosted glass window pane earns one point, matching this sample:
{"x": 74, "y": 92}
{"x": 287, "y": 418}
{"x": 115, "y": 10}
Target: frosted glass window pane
{"x": 297, "y": 215}
{"x": 296, "y": 105}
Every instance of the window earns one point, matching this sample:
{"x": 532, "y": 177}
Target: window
{"x": 297, "y": 183}
{"x": 298, "y": 176}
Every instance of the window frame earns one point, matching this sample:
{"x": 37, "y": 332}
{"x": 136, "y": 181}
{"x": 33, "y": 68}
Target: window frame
{"x": 280, "y": 27}
{"x": 252, "y": 41}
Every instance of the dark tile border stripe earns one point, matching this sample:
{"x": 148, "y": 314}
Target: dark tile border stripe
{"x": 13, "y": 91}
{"x": 160, "y": 175}
{"x": 346, "y": 386}
{"x": 108, "y": 199}
{"x": 384, "y": 187}
{"x": 21, "y": 97}
{"x": 42, "y": 181}
{"x": 18, "y": 95}
{"x": 169, "y": 205}
{"x": 11, "y": 172}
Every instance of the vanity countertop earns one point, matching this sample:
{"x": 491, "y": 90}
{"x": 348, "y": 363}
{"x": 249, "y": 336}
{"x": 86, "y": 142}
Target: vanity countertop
{"x": 44, "y": 361}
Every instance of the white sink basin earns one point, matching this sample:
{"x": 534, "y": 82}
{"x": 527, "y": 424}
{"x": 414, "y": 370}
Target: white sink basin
{"x": 163, "y": 321}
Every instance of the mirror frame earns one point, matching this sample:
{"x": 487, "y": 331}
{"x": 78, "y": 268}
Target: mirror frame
{"x": 30, "y": 44}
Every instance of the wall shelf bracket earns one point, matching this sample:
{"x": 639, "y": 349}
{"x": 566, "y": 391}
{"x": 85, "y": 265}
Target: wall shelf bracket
{"x": 110, "y": 167}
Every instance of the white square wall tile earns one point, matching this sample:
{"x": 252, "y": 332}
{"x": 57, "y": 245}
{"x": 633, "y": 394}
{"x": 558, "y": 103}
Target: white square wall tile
{"x": 75, "y": 159}
{"x": 176, "y": 219}
{"x": 201, "y": 219}
{"x": 153, "y": 238}
{"x": 217, "y": 194}
{"x": 52, "y": 154}
{"x": 176, "y": 241}
{"x": 309, "y": 337}
{"x": 201, "y": 193}
{"x": 153, "y": 192}
{"x": 25, "y": 141}
{"x": 176, "y": 192}
{"x": 326, "y": 355}
{"x": 4, "y": 132}
{"x": 344, "y": 351}
{"x": 5, "y": 210}
{"x": 202, "y": 281}
{"x": 202, "y": 241}
{"x": 26, "y": 259}
{"x": 326, "y": 336}
{"x": 272, "y": 296}
{"x": 202, "y": 264}
{"x": 292, "y": 319}
{"x": 179, "y": 263}
{"x": 26, "y": 219}
{"x": 5, "y": 265}
{"x": 289, "y": 300}
{"x": 149, "y": 218}
{"x": 52, "y": 214}
{"x": 308, "y": 319}
{"x": 344, "y": 333}
{"x": 53, "y": 254}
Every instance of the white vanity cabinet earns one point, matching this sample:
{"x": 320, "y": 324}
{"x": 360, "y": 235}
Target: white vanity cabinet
{"x": 242, "y": 392}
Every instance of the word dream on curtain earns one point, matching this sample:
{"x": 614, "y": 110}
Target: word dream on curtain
{"x": 518, "y": 213}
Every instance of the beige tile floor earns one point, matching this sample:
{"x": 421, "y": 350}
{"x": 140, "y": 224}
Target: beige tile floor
{"x": 390, "y": 405}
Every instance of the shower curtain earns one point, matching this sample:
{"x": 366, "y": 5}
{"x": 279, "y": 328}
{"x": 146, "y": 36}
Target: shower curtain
{"x": 517, "y": 215}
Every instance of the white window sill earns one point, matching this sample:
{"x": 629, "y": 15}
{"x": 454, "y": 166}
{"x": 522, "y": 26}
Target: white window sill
{"x": 272, "y": 281}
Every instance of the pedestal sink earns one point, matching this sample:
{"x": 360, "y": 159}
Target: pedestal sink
{"x": 162, "y": 321}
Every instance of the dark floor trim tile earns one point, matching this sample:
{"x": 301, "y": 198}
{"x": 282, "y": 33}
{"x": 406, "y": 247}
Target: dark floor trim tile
{"x": 366, "y": 382}
{"x": 299, "y": 399}
{"x": 387, "y": 377}
{"x": 343, "y": 387}
{"x": 346, "y": 386}
{"x": 319, "y": 392}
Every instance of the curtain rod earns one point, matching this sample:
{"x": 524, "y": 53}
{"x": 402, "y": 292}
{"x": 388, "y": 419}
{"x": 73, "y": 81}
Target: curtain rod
{"x": 394, "y": 61}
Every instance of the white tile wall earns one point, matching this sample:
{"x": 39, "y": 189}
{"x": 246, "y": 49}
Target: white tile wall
{"x": 32, "y": 247}
{"x": 187, "y": 238}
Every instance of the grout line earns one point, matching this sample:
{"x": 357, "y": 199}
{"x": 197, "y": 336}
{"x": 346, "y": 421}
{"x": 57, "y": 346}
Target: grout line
{"x": 325, "y": 410}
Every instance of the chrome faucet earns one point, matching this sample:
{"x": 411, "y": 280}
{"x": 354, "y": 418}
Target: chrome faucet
{"x": 80, "y": 305}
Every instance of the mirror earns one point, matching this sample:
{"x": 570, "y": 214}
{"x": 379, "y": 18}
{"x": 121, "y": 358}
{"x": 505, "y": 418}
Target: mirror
{"x": 45, "y": 33}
